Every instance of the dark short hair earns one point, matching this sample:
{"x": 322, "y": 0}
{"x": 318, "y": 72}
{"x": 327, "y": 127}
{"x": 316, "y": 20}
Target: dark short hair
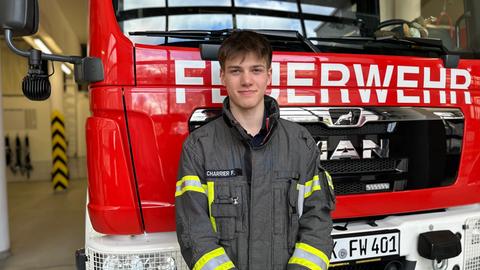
{"x": 242, "y": 42}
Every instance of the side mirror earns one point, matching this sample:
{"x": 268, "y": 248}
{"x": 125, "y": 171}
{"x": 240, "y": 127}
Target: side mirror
{"x": 20, "y": 16}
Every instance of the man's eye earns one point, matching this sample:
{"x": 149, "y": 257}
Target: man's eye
{"x": 257, "y": 70}
{"x": 234, "y": 71}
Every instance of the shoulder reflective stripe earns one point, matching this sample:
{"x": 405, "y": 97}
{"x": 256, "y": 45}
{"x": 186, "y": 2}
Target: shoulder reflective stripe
{"x": 306, "y": 252}
{"x": 329, "y": 180}
{"x": 226, "y": 266}
{"x": 211, "y": 197}
{"x": 190, "y": 177}
{"x": 312, "y": 185}
{"x": 215, "y": 259}
{"x": 301, "y": 198}
{"x": 189, "y": 183}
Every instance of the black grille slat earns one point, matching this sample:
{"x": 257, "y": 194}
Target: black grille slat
{"x": 322, "y": 130}
{"x": 359, "y": 166}
{"x": 349, "y": 188}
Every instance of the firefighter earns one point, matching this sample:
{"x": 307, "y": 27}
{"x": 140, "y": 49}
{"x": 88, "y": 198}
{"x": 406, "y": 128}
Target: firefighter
{"x": 250, "y": 192}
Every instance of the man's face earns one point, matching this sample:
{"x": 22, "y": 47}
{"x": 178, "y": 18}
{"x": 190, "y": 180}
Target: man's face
{"x": 246, "y": 79}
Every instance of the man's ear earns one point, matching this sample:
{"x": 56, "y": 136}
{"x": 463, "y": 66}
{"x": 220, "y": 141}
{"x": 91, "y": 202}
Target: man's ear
{"x": 269, "y": 73}
{"x": 222, "y": 76}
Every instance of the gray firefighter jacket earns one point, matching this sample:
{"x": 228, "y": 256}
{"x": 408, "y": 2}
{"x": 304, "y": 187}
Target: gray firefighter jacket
{"x": 240, "y": 206}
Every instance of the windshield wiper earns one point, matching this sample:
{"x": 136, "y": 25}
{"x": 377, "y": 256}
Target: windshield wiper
{"x": 217, "y": 36}
{"x": 408, "y": 42}
{"x": 435, "y": 45}
{"x": 186, "y": 34}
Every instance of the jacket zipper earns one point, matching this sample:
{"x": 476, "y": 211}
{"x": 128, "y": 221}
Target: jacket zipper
{"x": 250, "y": 175}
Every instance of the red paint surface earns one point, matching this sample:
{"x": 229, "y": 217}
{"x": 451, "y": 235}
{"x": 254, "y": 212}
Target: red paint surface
{"x": 158, "y": 125}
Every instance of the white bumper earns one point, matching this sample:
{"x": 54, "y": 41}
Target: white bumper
{"x": 139, "y": 252}
{"x": 462, "y": 220}
{"x": 161, "y": 250}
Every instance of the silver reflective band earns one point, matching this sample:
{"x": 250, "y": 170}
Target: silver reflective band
{"x": 213, "y": 263}
{"x": 302, "y": 254}
{"x": 301, "y": 198}
{"x": 311, "y": 188}
{"x": 190, "y": 183}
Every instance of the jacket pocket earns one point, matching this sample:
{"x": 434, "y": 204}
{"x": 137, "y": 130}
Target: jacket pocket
{"x": 293, "y": 217}
{"x": 228, "y": 209}
{"x": 285, "y": 212}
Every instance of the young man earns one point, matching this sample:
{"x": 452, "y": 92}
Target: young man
{"x": 251, "y": 194}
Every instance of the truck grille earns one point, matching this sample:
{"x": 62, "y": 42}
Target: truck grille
{"x": 378, "y": 149}
{"x": 360, "y": 165}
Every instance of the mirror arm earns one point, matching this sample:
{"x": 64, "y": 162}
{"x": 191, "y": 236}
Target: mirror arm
{"x": 9, "y": 39}
{"x": 52, "y": 57}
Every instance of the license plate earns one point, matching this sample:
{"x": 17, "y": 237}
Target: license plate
{"x": 354, "y": 247}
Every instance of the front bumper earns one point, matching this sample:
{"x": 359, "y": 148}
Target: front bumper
{"x": 461, "y": 221}
{"x": 161, "y": 250}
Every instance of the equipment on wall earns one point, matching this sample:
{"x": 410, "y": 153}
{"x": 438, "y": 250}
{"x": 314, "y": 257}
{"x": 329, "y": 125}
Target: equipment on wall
{"x": 18, "y": 155}
{"x": 8, "y": 151}
{"x": 27, "y": 164}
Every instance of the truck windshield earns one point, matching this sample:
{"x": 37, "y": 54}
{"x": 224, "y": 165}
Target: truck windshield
{"x": 325, "y": 22}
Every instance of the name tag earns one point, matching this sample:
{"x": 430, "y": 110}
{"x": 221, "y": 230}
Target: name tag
{"x": 223, "y": 173}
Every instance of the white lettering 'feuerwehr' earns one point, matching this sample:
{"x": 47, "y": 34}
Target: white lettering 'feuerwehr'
{"x": 401, "y": 72}
{"x": 216, "y": 73}
{"x": 292, "y": 80}
{"x": 429, "y": 83}
{"x": 456, "y": 74}
{"x": 402, "y": 98}
{"x": 181, "y": 79}
{"x": 325, "y": 71}
{"x": 373, "y": 77}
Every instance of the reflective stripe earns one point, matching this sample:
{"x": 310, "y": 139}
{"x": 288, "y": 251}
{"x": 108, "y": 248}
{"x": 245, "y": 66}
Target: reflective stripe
{"x": 216, "y": 259}
{"x": 301, "y": 198}
{"x": 189, "y": 183}
{"x": 311, "y": 186}
{"x": 309, "y": 257}
{"x": 329, "y": 180}
{"x": 304, "y": 191}
{"x": 211, "y": 196}
{"x": 305, "y": 263}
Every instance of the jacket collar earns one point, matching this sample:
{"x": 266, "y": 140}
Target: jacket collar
{"x": 272, "y": 113}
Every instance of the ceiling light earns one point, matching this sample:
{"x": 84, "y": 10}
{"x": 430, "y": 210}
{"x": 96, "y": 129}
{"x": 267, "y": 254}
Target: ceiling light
{"x": 65, "y": 69}
{"x": 42, "y": 46}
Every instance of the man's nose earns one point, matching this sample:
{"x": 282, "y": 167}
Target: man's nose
{"x": 246, "y": 78}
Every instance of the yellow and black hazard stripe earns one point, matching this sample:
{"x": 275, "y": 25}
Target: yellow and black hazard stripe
{"x": 60, "y": 175}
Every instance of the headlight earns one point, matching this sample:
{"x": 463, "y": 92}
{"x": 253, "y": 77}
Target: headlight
{"x": 113, "y": 262}
{"x": 472, "y": 244}
{"x": 167, "y": 263}
{"x": 148, "y": 261}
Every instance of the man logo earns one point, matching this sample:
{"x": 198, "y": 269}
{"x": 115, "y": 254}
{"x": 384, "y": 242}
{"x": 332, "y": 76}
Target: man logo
{"x": 345, "y": 117}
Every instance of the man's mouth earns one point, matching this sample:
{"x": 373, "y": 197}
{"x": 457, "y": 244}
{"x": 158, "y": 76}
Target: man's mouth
{"x": 247, "y": 92}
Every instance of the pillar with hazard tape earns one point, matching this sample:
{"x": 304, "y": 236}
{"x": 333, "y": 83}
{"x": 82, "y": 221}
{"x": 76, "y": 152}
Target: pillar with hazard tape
{"x": 60, "y": 173}
{"x": 60, "y": 176}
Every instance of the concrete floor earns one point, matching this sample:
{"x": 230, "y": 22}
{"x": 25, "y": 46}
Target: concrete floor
{"x": 45, "y": 227}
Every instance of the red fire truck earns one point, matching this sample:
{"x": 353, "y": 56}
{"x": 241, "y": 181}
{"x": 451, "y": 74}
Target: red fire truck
{"x": 389, "y": 94}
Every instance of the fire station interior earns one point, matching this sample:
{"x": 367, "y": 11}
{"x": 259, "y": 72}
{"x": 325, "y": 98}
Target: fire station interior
{"x": 42, "y": 219}
{"x": 45, "y": 226}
